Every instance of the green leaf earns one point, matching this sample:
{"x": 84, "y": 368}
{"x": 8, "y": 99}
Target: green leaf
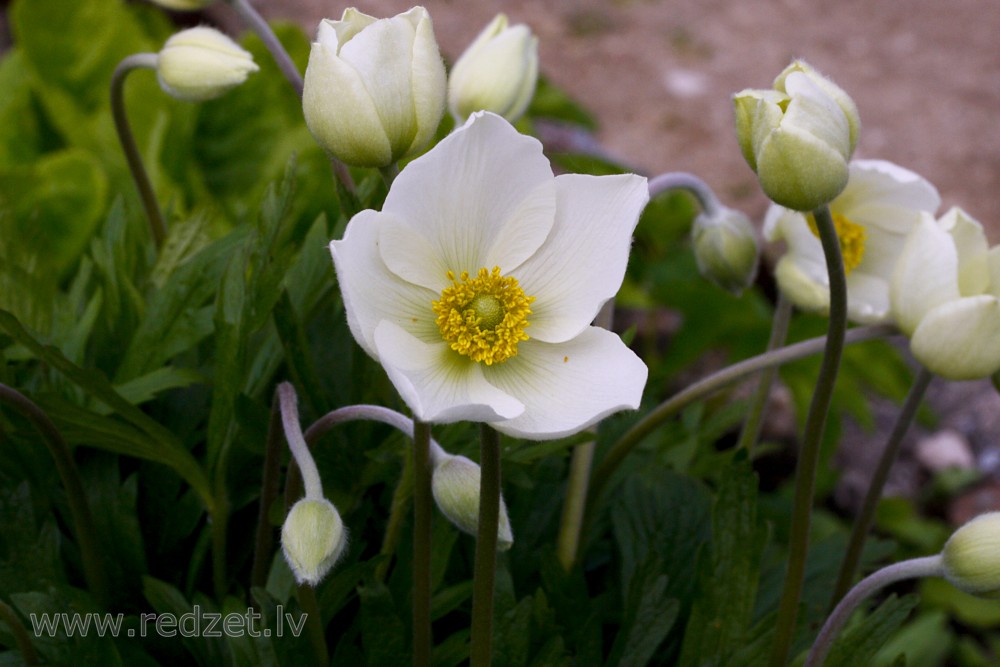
{"x": 169, "y": 603}
{"x": 859, "y": 644}
{"x": 383, "y": 632}
{"x": 142, "y": 389}
{"x": 649, "y": 615}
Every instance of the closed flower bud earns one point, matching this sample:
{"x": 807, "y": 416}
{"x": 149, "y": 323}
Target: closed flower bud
{"x": 798, "y": 137}
{"x": 455, "y": 485}
{"x": 971, "y": 557}
{"x": 200, "y": 64}
{"x": 312, "y": 539}
{"x": 726, "y": 248}
{"x": 374, "y": 89}
{"x": 497, "y": 72}
{"x": 183, "y": 5}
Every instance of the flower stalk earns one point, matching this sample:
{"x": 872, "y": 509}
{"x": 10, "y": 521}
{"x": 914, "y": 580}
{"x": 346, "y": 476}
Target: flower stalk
{"x": 422, "y": 506}
{"x": 805, "y": 474}
{"x": 484, "y": 572}
{"x": 758, "y": 404}
{"x": 866, "y": 517}
{"x": 21, "y": 636}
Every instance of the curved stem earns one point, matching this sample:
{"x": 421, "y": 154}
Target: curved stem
{"x": 297, "y": 443}
{"x": 865, "y": 518}
{"x": 758, "y": 405}
{"x": 264, "y": 540}
{"x": 709, "y": 385}
{"x": 805, "y": 473}
{"x": 21, "y": 638}
{"x": 423, "y": 503}
{"x": 928, "y": 566}
{"x": 136, "y": 61}
{"x": 484, "y": 572}
{"x": 219, "y": 516}
{"x": 681, "y": 180}
{"x": 260, "y": 27}
{"x": 83, "y": 521}
{"x": 314, "y": 624}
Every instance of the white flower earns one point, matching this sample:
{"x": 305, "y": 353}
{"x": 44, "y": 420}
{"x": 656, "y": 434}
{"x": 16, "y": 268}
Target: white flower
{"x": 497, "y": 72}
{"x": 374, "y": 89}
{"x": 200, "y": 64}
{"x": 476, "y": 284}
{"x": 880, "y": 205}
{"x": 945, "y": 291}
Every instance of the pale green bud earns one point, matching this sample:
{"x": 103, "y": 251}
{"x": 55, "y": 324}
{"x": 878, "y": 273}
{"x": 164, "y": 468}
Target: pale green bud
{"x": 455, "y": 485}
{"x": 183, "y": 5}
{"x": 798, "y": 137}
{"x": 726, "y": 248}
{"x": 971, "y": 557}
{"x": 374, "y": 89}
{"x": 200, "y": 64}
{"x": 312, "y": 539}
{"x": 497, "y": 72}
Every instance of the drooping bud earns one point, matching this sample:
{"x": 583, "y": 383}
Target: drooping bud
{"x": 312, "y": 539}
{"x": 726, "y": 248}
{"x": 971, "y": 556}
{"x": 183, "y": 5}
{"x": 455, "y": 485}
{"x": 201, "y": 63}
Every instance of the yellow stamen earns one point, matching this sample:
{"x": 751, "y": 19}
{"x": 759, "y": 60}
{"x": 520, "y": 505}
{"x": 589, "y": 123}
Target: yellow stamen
{"x": 483, "y": 317}
{"x": 851, "y": 236}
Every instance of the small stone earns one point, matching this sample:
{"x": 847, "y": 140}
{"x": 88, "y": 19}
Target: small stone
{"x": 945, "y": 449}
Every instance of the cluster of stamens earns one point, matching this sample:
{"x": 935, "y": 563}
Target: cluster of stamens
{"x": 851, "y": 236}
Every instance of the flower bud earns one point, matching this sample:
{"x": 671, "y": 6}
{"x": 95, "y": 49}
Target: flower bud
{"x": 455, "y": 485}
{"x": 200, "y": 64}
{"x": 183, "y": 5}
{"x": 312, "y": 539}
{"x": 798, "y": 137}
{"x": 971, "y": 556}
{"x": 726, "y": 249}
{"x": 374, "y": 89}
{"x": 497, "y": 72}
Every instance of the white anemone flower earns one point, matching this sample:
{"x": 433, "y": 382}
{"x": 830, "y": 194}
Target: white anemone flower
{"x": 880, "y": 205}
{"x": 946, "y": 297}
{"x": 476, "y": 285}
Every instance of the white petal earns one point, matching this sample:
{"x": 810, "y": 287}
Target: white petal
{"x": 429, "y": 79}
{"x": 926, "y": 274}
{"x": 371, "y": 292}
{"x": 959, "y": 340}
{"x": 569, "y": 386}
{"x": 867, "y": 298}
{"x": 437, "y": 384}
{"x": 883, "y": 194}
{"x": 479, "y": 198}
{"x": 972, "y": 246}
{"x": 805, "y": 285}
{"x": 582, "y": 262}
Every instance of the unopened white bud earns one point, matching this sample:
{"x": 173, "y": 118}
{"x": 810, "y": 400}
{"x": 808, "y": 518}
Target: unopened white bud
{"x": 726, "y": 248}
{"x": 312, "y": 539}
{"x": 971, "y": 556}
{"x": 455, "y": 485}
{"x": 200, "y": 64}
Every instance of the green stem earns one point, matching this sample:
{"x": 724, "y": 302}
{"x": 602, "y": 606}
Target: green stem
{"x": 680, "y": 180}
{"x": 422, "y": 506}
{"x": 94, "y": 572}
{"x": 219, "y": 516}
{"x": 758, "y": 405}
{"x": 484, "y": 572}
{"x": 866, "y": 517}
{"x": 136, "y": 61}
{"x": 928, "y": 566}
{"x": 581, "y": 461}
{"x": 389, "y": 173}
{"x": 709, "y": 385}
{"x": 314, "y": 624}
{"x": 21, "y": 638}
{"x": 264, "y": 541}
{"x": 805, "y": 474}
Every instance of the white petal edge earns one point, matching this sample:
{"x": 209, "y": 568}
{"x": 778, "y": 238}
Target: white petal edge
{"x": 569, "y": 386}
{"x": 438, "y": 384}
{"x": 582, "y": 262}
{"x": 880, "y": 193}
{"x": 926, "y": 274}
{"x": 959, "y": 340}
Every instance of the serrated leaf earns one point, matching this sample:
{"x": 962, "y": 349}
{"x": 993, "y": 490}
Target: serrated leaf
{"x": 859, "y": 644}
{"x": 650, "y": 613}
{"x": 383, "y": 633}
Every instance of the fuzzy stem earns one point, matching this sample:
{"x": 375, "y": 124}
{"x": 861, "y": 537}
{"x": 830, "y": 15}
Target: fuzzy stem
{"x": 132, "y": 156}
{"x": 260, "y": 27}
{"x": 314, "y": 624}
{"x": 297, "y": 443}
{"x": 423, "y": 503}
{"x": 21, "y": 638}
{"x": 928, "y": 566}
{"x": 758, "y": 405}
{"x": 709, "y": 385}
{"x": 94, "y": 572}
{"x": 680, "y": 180}
{"x": 866, "y": 517}
{"x": 484, "y": 572}
{"x": 264, "y": 541}
{"x": 805, "y": 474}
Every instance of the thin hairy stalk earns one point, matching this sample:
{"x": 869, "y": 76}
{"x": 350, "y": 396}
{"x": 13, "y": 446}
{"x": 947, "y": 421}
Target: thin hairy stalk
{"x": 21, "y": 637}
{"x": 94, "y": 572}
{"x": 484, "y": 570}
{"x": 422, "y": 505}
{"x": 314, "y": 625}
{"x": 928, "y": 566}
{"x": 220, "y": 526}
{"x": 805, "y": 473}
{"x": 264, "y": 540}
{"x": 297, "y": 443}
{"x": 680, "y": 180}
{"x": 709, "y": 385}
{"x": 581, "y": 461}
{"x": 758, "y": 404}
{"x": 866, "y": 517}
{"x": 125, "y": 137}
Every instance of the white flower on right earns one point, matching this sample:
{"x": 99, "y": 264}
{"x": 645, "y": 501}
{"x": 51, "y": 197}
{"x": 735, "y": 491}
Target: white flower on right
{"x": 880, "y": 205}
{"x": 946, "y": 297}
